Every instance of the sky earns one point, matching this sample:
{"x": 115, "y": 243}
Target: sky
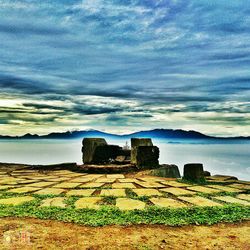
{"x": 124, "y": 65}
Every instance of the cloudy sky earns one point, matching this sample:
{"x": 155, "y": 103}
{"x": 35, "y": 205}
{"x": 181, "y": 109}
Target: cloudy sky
{"x": 125, "y": 65}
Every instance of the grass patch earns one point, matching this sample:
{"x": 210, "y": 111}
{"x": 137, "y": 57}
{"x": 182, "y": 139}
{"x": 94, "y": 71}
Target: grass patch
{"x": 223, "y": 193}
{"x": 198, "y": 182}
{"x": 108, "y": 215}
{"x": 108, "y": 200}
{"x": 132, "y": 195}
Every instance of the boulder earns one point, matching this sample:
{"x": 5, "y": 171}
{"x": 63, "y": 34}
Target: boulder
{"x": 206, "y": 173}
{"x": 167, "y": 171}
{"x": 89, "y": 147}
{"x": 146, "y": 157}
{"x": 193, "y": 172}
{"x": 136, "y": 142}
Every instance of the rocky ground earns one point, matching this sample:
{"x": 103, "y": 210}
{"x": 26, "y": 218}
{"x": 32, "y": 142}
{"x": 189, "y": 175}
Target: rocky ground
{"x": 24, "y": 190}
{"x": 92, "y": 188}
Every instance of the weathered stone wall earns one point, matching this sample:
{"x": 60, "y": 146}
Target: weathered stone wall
{"x": 89, "y": 146}
{"x": 146, "y": 156}
{"x": 136, "y": 142}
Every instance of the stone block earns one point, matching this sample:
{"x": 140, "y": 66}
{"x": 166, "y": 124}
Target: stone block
{"x": 199, "y": 201}
{"x": 53, "y": 191}
{"x": 167, "y": 171}
{"x": 177, "y": 191}
{"x": 105, "y": 154}
{"x": 230, "y": 199}
{"x": 167, "y": 202}
{"x": 204, "y": 189}
{"x": 88, "y": 202}
{"x": 82, "y": 192}
{"x": 146, "y": 157}
{"x": 115, "y": 176}
{"x": 225, "y": 188}
{"x": 244, "y": 197}
{"x": 23, "y": 190}
{"x": 147, "y": 192}
{"x": 129, "y": 204}
{"x": 123, "y": 185}
{"x": 92, "y": 185}
{"x": 54, "y": 202}
{"x": 193, "y": 171}
{"x": 175, "y": 184}
{"x": 67, "y": 185}
{"x": 89, "y": 146}
{"x": 113, "y": 192}
{"x": 16, "y": 200}
{"x": 136, "y": 142}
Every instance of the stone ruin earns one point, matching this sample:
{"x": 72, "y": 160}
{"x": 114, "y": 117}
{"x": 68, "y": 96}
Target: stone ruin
{"x": 143, "y": 153}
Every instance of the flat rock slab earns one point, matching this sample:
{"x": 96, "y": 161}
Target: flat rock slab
{"x": 115, "y": 176}
{"x": 225, "y": 188}
{"x": 26, "y": 181}
{"x": 82, "y": 179}
{"x": 240, "y": 186}
{"x": 230, "y": 199}
{"x": 244, "y": 196}
{"x": 92, "y": 185}
{"x": 24, "y": 190}
{"x": 151, "y": 179}
{"x": 147, "y": 192}
{"x": 175, "y": 184}
{"x": 106, "y": 180}
{"x": 54, "y": 202}
{"x": 129, "y": 204}
{"x": 113, "y": 192}
{"x": 150, "y": 184}
{"x": 48, "y": 191}
{"x": 83, "y": 192}
{"x": 41, "y": 184}
{"x": 167, "y": 202}
{"x": 9, "y": 182}
{"x": 199, "y": 201}
{"x": 88, "y": 202}
{"x": 178, "y": 191}
{"x": 36, "y": 177}
{"x": 67, "y": 185}
{"x": 129, "y": 180}
{"x": 203, "y": 189}
{"x": 59, "y": 179}
{"x": 123, "y": 185}
{"x": 16, "y": 200}
{"x": 6, "y": 187}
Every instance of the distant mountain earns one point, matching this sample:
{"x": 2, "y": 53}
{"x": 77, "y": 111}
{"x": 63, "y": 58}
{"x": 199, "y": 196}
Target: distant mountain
{"x": 156, "y": 133}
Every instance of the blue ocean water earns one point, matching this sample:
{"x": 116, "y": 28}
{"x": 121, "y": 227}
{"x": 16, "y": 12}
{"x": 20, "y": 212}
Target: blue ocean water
{"x": 218, "y": 158}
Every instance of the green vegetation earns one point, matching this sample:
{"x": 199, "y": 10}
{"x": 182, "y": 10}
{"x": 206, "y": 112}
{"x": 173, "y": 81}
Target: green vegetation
{"x": 111, "y": 215}
{"x": 108, "y": 200}
{"x": 222, "y": 193}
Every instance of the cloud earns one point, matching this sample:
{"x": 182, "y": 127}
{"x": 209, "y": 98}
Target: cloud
{"x": 69, "y": 63}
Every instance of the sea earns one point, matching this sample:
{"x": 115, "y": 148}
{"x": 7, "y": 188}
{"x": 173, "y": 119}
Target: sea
{"x": 217, "y": 157}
